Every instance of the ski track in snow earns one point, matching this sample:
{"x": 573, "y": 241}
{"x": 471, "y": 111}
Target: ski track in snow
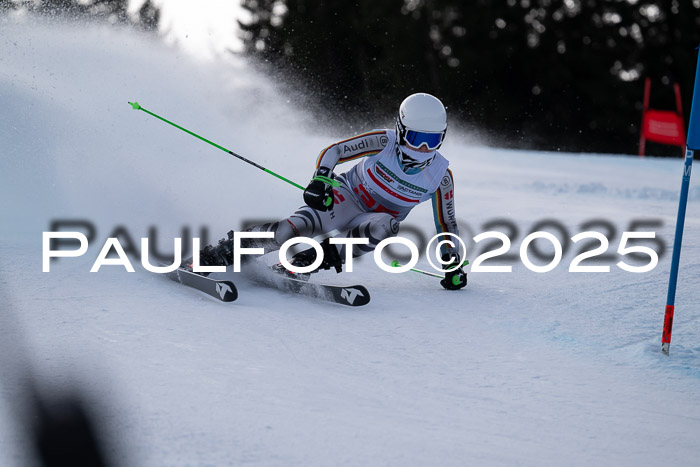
{"x": 517, "y": 369}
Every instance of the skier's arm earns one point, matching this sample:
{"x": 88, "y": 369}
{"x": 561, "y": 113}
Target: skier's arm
{"x": 319, "y": 194}
{"x": 446, "y": 222}
{"x": 444, "y": 206}
{"x": 366, "y": 144}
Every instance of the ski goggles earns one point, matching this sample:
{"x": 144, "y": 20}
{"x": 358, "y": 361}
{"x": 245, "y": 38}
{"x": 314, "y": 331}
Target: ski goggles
{"x": 416, "y": 139}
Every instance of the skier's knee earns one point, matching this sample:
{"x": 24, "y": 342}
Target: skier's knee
{"x": 268, "y": 244}
{"x": 377, "y": 227}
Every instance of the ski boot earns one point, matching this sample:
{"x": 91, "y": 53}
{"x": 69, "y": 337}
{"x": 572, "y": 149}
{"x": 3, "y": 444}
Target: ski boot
{"x": 331, "y": 259}
{"x": 302, "y": 260}
{"x": 213, "y": 255}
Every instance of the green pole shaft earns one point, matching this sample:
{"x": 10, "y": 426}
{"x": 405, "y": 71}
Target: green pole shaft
{"x": 427, "y": 273}
{"x": 136, "y": 106}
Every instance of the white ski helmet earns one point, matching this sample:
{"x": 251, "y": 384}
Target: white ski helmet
{"x": 420, "y": 130}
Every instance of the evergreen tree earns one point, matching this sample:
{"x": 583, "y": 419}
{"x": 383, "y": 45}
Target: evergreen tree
{"x": 534, "y": 73}
{"x": 113, "y": 11}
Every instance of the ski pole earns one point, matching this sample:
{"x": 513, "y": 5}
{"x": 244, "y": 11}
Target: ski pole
{"x": 692, "y": 145}
{"x": 428, "y": 273}
{"x": 136, "y": 106}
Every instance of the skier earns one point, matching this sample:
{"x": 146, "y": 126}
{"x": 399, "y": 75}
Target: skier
{"x": 398, "y": 170}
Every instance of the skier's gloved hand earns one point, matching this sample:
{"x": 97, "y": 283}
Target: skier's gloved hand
{"x": 454, "y": 280}
{"x": 319, "y": 194}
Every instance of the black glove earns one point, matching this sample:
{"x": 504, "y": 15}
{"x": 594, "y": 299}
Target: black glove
{"x": 454, "y": 280}
{"x": 319, "y": 194}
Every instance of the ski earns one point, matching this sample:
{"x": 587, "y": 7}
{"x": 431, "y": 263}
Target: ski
{"x": 350, "y": 295}
{"x": 223, "y": 290}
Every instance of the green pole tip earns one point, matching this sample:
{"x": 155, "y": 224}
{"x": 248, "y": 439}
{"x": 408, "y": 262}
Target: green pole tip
{"x": 135, "y": 105}
{"x": 395, "y": 264}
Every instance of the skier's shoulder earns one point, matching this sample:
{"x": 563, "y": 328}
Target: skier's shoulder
{"x": 437, "y": 172}
{"x": 377, "y": 138}
{"x": 442, "y": 163}
{"x": 365, "y": 144}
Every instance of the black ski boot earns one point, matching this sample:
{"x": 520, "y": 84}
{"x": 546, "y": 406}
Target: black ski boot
{"x": 300, "y": 260}
{"x": 331, "y": 259}
{"x": 219, "y": 255}
{"x": 214, "y": 255}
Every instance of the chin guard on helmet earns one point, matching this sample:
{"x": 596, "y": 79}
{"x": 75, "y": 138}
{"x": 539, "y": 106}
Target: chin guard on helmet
{"x": 412, "y": 161}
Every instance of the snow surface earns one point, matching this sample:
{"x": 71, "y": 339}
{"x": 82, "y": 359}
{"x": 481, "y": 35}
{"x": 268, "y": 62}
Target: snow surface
{"x": 517, "y": 369}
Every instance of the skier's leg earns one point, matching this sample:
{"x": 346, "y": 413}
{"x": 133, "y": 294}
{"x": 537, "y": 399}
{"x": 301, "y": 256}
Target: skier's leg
{"x": 305, "y": 222}
{"x": 221, "y": 254}
{"x": 375, "y": 226}
{"x": 320, "y": 226}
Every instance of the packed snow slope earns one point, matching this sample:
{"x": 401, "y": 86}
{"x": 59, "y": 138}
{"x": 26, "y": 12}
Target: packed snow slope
{"x": 519, "y": 368}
